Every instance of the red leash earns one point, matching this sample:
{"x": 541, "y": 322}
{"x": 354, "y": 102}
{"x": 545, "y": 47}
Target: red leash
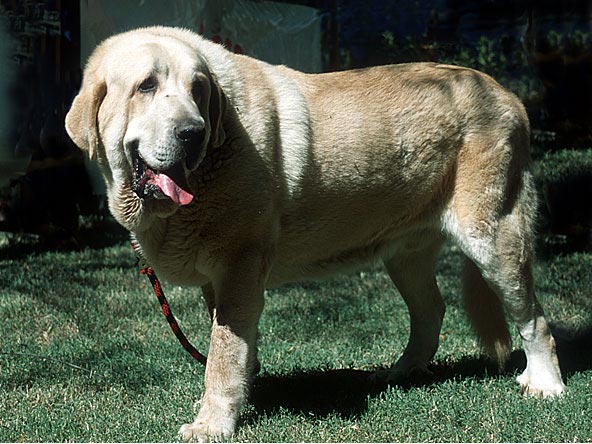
{"x": 164, "y": 304}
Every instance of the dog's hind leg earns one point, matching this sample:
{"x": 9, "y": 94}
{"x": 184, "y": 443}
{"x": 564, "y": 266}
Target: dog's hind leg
{"x": 491, "y": 217}
{"x": 413, "y": 275}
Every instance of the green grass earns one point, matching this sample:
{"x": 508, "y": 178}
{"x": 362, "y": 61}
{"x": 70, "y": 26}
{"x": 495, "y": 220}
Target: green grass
{"x": 85, "y": 355}
{"x": 558, "y": 166}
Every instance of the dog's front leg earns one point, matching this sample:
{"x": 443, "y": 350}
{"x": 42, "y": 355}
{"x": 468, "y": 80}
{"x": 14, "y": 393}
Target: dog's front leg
{"x": 233, "y": 351}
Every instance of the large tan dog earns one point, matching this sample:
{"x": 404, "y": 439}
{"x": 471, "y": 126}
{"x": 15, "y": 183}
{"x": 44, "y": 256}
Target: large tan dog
{"x": 235, "y": 175}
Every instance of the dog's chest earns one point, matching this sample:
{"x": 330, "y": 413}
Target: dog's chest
{"x": 173, "y": 253}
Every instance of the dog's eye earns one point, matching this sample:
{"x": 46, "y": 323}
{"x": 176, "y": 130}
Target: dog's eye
{"x": 148, "y": 85}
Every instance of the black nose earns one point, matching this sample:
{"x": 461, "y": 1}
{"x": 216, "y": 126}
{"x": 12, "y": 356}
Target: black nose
{"x": 190, "y": 134}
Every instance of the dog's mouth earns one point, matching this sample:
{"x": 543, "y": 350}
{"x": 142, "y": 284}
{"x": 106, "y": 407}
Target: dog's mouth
{"x": 170, "y": 184}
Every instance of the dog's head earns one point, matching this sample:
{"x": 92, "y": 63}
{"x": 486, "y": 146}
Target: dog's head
{"x": 148, "y": 110}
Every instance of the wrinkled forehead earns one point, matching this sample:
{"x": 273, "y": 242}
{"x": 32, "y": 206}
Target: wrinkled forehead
{"x": 139, "y": 58}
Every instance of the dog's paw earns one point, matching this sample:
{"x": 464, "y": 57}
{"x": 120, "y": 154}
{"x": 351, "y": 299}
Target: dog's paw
{"x": 199, "y": 431}
{"x": 397, "y": 375}
{"x": 541, "y": 387}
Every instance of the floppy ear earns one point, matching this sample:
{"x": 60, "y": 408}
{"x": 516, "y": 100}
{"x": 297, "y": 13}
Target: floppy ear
{"x": 82, "y": 119}
{"x": 216, "y": 110}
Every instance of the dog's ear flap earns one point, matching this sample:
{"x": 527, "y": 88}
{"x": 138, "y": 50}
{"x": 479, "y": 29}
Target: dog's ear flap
{"x": 82, "y": 119}
{"x": 216, "y": 110}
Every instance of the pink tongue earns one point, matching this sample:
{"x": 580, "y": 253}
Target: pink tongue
{"x": 171, "y": 189}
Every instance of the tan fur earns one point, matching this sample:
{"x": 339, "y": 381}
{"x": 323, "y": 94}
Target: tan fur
{"x": 301, "y": 176}
{"x": 486, "y": 314}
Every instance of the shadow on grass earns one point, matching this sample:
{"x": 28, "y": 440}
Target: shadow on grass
{"x": 98, "y": 232}
{"x": 574, "y": 349}
{"x": 346, "y": 392}
{"x": 117, "y": 364}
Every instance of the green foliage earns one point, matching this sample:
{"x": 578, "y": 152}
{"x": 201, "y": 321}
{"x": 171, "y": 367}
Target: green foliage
{"x": 557, "y": 166}
{"x": 503, "y": 58}
{"x": 573, "y": 40}
{"x": 85, "y": 355}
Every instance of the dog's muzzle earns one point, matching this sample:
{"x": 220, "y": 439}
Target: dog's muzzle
{"x": 170, "y": 184}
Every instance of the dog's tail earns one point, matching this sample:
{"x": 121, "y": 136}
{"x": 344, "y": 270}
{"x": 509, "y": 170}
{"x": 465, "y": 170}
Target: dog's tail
{"x": 486, "y": 314}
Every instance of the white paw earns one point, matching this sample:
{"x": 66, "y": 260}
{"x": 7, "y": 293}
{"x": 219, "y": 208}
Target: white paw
{"x": 548, "y": 387}
{"x": 199, "y": 431}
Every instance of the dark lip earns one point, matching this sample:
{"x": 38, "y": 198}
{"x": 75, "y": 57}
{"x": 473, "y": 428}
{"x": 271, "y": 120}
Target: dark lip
{"x": 140, "y": 187}
{"x": 138, "y": 168}
{"x": 145, "y": 190}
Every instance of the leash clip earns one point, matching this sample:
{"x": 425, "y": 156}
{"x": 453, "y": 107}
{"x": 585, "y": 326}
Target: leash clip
{"x": 141, "y": 261}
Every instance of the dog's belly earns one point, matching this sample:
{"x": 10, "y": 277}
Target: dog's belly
{"x": 341, "y": 262}
{"x": 314, "y": 264}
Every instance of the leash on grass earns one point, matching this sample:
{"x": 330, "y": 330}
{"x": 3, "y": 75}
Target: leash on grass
{"x": 164, "y": 304}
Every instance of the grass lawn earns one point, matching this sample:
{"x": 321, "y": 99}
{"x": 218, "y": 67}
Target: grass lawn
{"x": 85, "y": 355}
